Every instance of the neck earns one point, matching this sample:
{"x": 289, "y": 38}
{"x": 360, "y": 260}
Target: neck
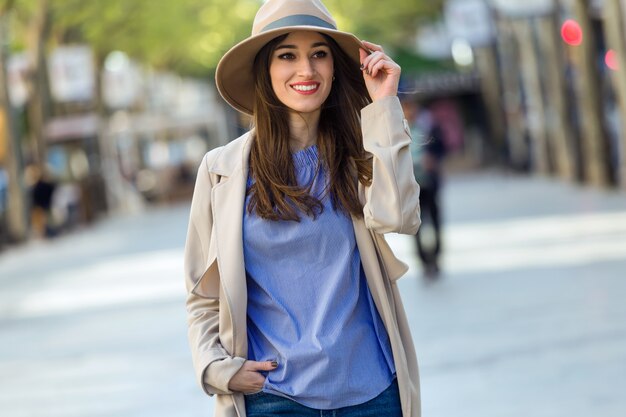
{"x": 303, "y": 130}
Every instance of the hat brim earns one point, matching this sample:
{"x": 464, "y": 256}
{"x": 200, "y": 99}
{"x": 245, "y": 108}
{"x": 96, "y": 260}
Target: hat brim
{"x": 234, "y": 74}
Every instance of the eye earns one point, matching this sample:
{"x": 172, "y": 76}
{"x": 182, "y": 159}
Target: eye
{"x": 287, "y": 55}
{"x": 320, "y": 54}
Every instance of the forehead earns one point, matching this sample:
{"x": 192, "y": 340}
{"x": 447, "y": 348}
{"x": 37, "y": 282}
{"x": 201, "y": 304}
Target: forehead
{"x": 304, "y": 37}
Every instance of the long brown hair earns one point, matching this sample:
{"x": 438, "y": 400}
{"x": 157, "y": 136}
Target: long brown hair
{"x": 275, "y": 195}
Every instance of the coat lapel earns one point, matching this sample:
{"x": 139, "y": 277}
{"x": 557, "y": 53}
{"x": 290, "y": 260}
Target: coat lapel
{"x": 228, "y": 204}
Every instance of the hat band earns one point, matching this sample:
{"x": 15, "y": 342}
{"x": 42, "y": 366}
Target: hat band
{"x": 298, "y": 20}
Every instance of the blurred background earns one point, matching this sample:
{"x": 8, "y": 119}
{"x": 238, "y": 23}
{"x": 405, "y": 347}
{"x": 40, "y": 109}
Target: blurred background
{"x": 518, "y": 275}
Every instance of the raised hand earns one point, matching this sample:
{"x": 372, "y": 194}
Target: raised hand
{"x": 380, "y": 72}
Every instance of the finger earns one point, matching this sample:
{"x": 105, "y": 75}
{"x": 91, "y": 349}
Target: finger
{"x": 363, "y": 55}
{"x": 373, "y": 46}
{"x": 372, "y": 59}
{"x": 376, "y": 68}
{"x": 383, "y": 65}
{"x": 365, "y": 61}
{"x": 381, "y": 61}
{"x": 262, "y": 366}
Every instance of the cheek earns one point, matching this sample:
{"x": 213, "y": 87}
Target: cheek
{"x": 327, "y": 68}
{"x": 327, "y": 71}
{"x": 275, "y": 75}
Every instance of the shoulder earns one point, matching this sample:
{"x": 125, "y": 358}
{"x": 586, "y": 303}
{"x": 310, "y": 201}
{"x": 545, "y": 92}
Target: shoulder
{"x": 223, "y": 159}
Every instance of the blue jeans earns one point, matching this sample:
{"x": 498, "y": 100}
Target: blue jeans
{"x": 386, "y": 404}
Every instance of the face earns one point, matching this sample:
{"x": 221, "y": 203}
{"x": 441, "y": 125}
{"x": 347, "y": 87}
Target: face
{"x": 301, "y": 71}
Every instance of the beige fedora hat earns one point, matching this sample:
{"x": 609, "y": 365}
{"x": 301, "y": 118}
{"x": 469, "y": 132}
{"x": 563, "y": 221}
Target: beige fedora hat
{"x": 234, "y": 77}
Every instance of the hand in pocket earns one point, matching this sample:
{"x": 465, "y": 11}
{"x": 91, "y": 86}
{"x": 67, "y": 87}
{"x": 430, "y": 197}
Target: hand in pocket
{"x": 248, "y": 378}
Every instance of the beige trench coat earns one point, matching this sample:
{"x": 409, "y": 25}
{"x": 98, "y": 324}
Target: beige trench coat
{"x": 214, "y": 262}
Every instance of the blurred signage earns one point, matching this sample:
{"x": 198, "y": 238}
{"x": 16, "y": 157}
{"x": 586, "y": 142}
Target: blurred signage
{"x": 469, "y": 20}
{"x": 72, "y": 127}
{"x": 433, "y": 41}
{"x": 18, "y": 67}
{"x": 194, "y": 98}
{"x": 121, "y": 81}
{"x": 523, "y": 8}
{"x": 163, "y": 89}
{"x": 72, "y": 73}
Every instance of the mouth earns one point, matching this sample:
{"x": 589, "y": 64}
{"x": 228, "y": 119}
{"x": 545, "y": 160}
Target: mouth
{"x": 306, "y": 88}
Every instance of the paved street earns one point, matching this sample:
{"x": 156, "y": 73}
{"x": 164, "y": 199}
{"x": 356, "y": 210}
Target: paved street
{"x": 528, "y": 320}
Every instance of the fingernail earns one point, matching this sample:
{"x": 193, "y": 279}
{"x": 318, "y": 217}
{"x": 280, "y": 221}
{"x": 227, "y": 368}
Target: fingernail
{"x": 362, "y": 66}
{"x": 274, "y": 364}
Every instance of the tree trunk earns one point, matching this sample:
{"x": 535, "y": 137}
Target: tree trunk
{"x": 557, "y": 115}
{"x": 17, "y": 203}
{"x": 40, "y": 103}
{"x": 486, "y": 61}
{"x": 531, "y": 84}
{"x": 615, "y": 34}
{"x": 512, "y": 100}
{"x": 594, "y": 138}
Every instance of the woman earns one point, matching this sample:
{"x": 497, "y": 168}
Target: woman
{"x": 293, "y": 308}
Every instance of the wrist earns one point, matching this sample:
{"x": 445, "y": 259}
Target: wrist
{"x": 384, "y": 96}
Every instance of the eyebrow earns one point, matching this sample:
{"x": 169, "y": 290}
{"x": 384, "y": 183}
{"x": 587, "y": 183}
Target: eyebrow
{"x": 315, "y": 45}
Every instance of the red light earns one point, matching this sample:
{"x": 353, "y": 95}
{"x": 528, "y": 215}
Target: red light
{"x": 571, "y": 32}
{"x": 611, "y": 60}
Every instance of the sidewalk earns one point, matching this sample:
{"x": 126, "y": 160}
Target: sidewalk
{"x": 529, "y": 318}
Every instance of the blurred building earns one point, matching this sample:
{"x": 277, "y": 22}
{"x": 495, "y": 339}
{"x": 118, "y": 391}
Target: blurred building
{"x": 559, "y": 86}
{"x": 539, "y": 82}
{"x": 156, "y": 136}
{"x": 536, "y": 85}
{"x": 112, "y": 138}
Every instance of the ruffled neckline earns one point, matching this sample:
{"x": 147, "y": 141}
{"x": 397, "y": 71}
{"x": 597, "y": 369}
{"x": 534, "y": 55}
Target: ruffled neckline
{"x": 307, "y": 157}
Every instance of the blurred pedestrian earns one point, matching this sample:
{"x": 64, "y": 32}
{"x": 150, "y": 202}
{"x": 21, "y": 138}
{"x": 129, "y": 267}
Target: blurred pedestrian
{"x": 291, "y": 303}
{"x": 428, "y": 151}
{"x": 41, "y": 203}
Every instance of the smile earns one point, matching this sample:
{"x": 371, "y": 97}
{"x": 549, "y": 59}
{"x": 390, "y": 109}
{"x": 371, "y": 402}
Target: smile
{"x": 308, "y": 88}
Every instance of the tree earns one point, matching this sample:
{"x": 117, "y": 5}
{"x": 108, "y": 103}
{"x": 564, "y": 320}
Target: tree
{"x": 191, "y": 35}
{"x": 391, "y": 22}
{"x": 16, "y": 210}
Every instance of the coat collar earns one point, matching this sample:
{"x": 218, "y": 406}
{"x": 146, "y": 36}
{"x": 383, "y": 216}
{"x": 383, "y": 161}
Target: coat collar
{"x": 233, "y": 157}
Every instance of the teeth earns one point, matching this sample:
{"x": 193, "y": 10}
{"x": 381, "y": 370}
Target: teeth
{"x": 305, "y": 87}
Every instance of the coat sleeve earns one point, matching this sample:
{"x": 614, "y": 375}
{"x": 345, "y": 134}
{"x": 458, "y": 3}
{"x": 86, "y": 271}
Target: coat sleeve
{"x": 214, "y": 366}
{"x": 392, "y": 200}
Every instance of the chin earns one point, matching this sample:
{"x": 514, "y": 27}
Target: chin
{"x": 305, "y": 106}
{"x": 306, "y": 110}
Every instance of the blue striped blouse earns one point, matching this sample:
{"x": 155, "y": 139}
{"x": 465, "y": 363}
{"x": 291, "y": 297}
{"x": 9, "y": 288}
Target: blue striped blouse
{"x": 309, "y": 306}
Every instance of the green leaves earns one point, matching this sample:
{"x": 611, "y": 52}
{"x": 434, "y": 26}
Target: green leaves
{"x": 191, "y": 35}
{"x": 390, "y": 22}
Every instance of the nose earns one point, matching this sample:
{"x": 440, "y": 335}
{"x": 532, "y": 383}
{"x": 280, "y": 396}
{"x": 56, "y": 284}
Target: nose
{"x": 306, "y": 68}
